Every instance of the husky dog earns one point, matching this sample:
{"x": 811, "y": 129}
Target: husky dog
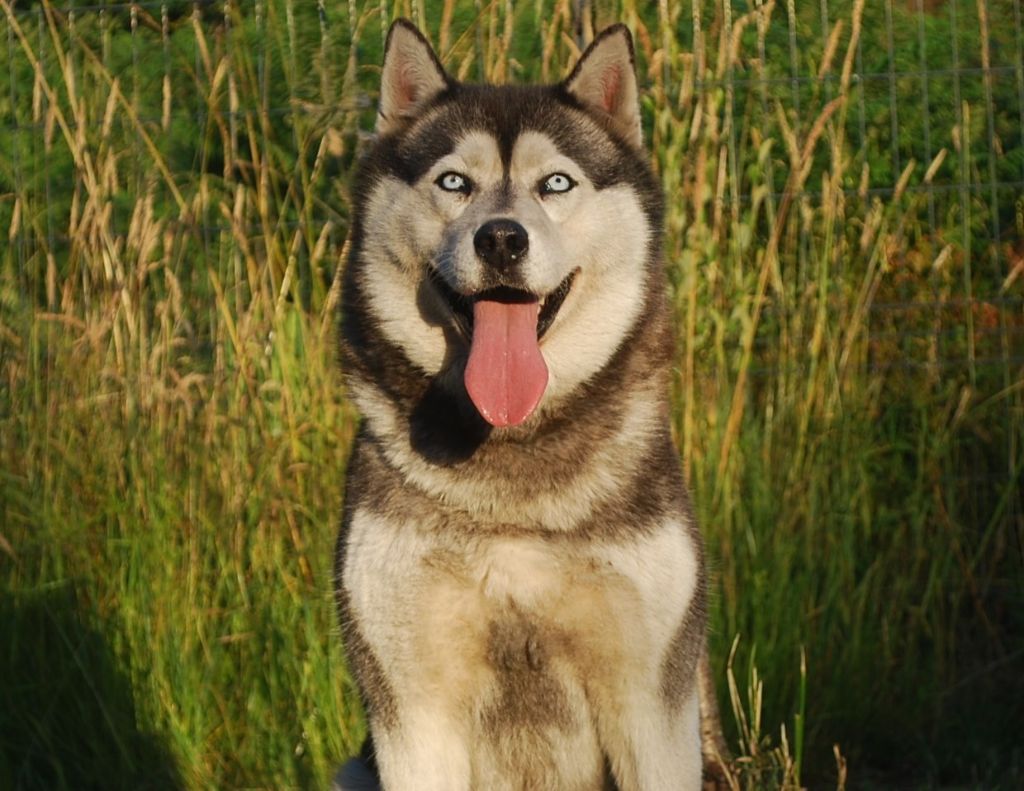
{"x": 519, "y": 574}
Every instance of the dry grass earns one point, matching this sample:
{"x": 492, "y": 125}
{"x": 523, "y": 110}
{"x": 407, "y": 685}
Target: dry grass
{"x": 173, "y": 434}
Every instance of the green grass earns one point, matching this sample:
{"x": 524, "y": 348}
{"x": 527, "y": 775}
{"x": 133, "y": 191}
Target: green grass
{"x": 850, "y": 397}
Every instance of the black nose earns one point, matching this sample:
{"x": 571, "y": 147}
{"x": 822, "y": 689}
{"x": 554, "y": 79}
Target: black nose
{"x": 501, "y": 243}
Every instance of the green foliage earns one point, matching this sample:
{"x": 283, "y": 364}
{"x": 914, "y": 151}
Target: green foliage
{"x": 173, "y": 435}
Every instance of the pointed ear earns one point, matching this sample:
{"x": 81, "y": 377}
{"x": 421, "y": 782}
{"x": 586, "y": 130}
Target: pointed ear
{"x": 411, "y": 76}
{"x": 604, "y": 81}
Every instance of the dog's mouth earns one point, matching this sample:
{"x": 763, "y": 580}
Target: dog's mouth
{"x": 505, "y": 375}
{"x": 461, "y": 305}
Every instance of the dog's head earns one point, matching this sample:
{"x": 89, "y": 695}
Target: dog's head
{"x": 506, "y": 237}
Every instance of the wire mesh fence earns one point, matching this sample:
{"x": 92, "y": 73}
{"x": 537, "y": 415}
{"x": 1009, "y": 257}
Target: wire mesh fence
{"x": 107, "y": 104}
{"x": 844, "y": 185}
{"x": 936, "y": 110}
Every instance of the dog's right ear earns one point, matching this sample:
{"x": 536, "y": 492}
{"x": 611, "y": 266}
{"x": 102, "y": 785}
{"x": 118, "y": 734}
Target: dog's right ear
{"x": 412, "y": 76}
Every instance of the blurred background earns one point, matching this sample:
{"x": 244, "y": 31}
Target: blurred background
{"x": 845, "y": 245}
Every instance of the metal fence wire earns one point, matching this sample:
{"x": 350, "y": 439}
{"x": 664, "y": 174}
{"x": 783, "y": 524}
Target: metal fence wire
{"x": 934, "y": 122}
{"x": 930, "y": 77}
{"x": 844, "y": 210}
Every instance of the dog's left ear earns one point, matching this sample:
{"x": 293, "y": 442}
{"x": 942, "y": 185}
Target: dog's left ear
{"x": 604, "y": 80}
{"x": 411, "y": 76}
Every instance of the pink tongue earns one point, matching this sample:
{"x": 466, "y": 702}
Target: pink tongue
{"x": 506, "y": 375}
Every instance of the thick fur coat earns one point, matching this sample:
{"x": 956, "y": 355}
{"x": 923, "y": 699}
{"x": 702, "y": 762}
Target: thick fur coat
{"x": 519, "y": 575}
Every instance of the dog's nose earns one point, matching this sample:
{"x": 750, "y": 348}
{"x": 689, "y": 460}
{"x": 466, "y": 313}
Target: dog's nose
{"x": 501, "y": 243}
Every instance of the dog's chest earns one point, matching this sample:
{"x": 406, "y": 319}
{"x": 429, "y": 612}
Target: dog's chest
{"x": 522, "y": 574}
{"x": 523, "y": 588}
{"x": 516, "y": 625}
{"x": 513, "y": 627}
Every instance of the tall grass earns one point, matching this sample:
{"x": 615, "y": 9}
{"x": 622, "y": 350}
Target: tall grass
{"x": 173, "y": 435}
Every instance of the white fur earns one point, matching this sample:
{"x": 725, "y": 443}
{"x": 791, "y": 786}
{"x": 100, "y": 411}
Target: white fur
{"x": 425, "y": 610}
{"x": 427, "y": 753}
{"x": 663, "y": 567}
{"x": 670, "y": 759}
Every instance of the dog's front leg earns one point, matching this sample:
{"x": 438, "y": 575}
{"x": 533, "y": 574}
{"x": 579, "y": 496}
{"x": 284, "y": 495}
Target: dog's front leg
{"x": 655, "y": 747}
{"x": 423, "y": 752}
{"x": 406, "y": 625}
{"x": 406, "y": 757}
{"x": 645, "y": 691}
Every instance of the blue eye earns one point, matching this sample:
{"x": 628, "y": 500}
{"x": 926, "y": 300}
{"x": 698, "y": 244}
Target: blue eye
{"x": 454, "y": 182}
{"x": 556, "y": 183}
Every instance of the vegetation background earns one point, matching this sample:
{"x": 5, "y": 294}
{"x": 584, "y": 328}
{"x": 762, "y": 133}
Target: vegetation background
{"x": 846, "y": 250}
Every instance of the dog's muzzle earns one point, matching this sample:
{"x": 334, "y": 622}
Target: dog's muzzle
{"x": 505, "y": 374}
